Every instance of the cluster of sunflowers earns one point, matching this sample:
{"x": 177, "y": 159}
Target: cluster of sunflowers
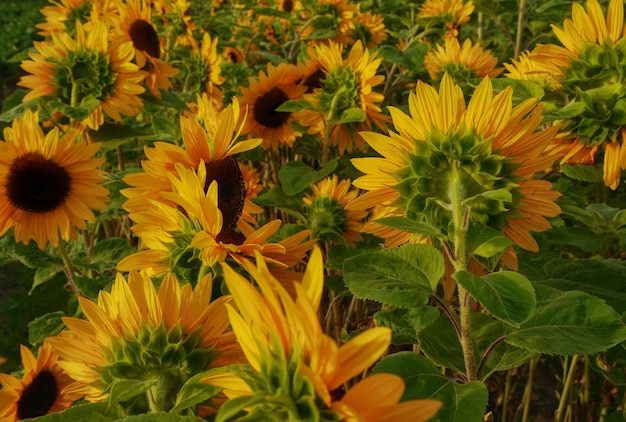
{"x": 229, "y": 156}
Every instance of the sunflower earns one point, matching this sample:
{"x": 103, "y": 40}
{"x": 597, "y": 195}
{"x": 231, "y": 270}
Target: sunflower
{"x": 62, "y": 16}
{"x": 41, "y": 389}
{"x": 204, "y": 70}
{"x": 81, "y": 70}
{"x": 233, "y": 55}
{"x": 540, "y": 72}
{"x": 328, "y": 211}
{"x": 292, "y": 359}
{"x": 448, "y": 13}
{"x": 461, "y": 62}
{"x": 138, "y": 333}
{"x": 193, "y": 224}
{"x": 487, "y": 146}
{"x": 177, "y": 22}
{"x": 347, "y": 84}
{"x": 210, "y": 139}
{"x": 48, "y": 184}
{"x": 135, "y": 25}
{"x": 332, "y": 16}
{"x": 591, "y": 69}
{"x": 370, "y": 29}
{"x": 263, "y": 96}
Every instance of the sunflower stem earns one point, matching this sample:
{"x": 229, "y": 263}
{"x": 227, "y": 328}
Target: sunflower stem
{"x": 152, "y": 394}
{"x": 569, "y": 380}
{"x": 68, "y": 268}
{"x": 520, "y": 28}
{"x": 460, "y": 216}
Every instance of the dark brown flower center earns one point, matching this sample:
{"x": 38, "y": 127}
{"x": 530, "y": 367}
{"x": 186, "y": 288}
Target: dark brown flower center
{"x": 265, "y": 108}
{"x": 145, "y": 38}
{"x": 288, "y": 6}
{"x": 314, "y": 80}
{"x": 38, "y": 397}
{"x": 36, "y": 184}
{"x": 231, "y": 188}
{"x": 230, "y": 236}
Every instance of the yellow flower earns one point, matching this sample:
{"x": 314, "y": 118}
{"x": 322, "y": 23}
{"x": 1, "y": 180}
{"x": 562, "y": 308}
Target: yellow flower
{"x": 193, "y": 221}
{"x": 486, "y": 146}
{"x": 450, "y": 13}
{"x": 332, "y": 15}
{"x": 375, "y": 399}
{"x": 41, "y": 389}
{"x": 461, "y": 62}
{"x": 370, "y": 29}
{"x": 346, "y": 84}
{"x": 138, "y": 333}
{"x": 590, "y": 72}
{"x": 210, "y": 139}
{"x": 262, "y": 97}
{"x": 329, "y": 214}
{"x": 48, "y": 184}
{"x": 135, "y": 25}
{"x": 80, "y": 70}
{"x": 62, "y": 16}
{"x": 282, "y": 338}
{"x": 204, "y": 73}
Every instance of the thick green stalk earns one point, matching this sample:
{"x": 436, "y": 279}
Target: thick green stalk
{"x": 459, "y": 216}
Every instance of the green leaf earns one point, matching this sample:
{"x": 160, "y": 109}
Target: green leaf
{"x": 160, "y": 417}
{"x": 295, "y": 106}
{"x": 569, "y": 323}
{"x": 521, "y": 88}
{"x": 296, "y": 176}
{"x": 351, "y": 115}
{"x": 194, "y": 391}
{"x": 486, "y": 242}
{"x": 584, "y": 172}
{"x": 45, "y": 273}
{"x": 92, "y": 412}
{"x": 594, "y": 276}
{"x": 404, "y": 276}
{"x": 112, "y": 135}
{"x": 411, "y": 226}
{"x": 165, "y": 129}
{"x": 127, "y": 389}
{"x": 424, "y": 380}
{"x": 439, "y": 341}
{"x": 108, "y": 252}
{"x": 78, "y": 113}
{"x": 45, "y": 326}
{"x": 506, "y": 295}
{"x": 405, "y": 323}
{"x": 234, "y": 407}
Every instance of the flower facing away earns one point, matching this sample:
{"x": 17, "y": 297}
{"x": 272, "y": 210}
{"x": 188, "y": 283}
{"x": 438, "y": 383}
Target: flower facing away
{"x": 63, "y": 14}
{"x": 204, "y": 70}
{"x": 86, "y": 71}
{"x": 449, "y": 14}
{"x": 332, "y": 15}
{"x": 192, "y": 225}
{"x": 138, "y": 333}
{"x": 328, "y": 211}
{"x": 590, "y": 68}
{"x": 49, "y": 184}
{"x": 135, "y": 25}
{"x": 346, "y": 86}
{"x": 297, "y": 368}
{"x": 487, "y": 150}
{"x": 370, "y": 29}
{"x": 263, "y": 96}
{"x": 40, "y": 391}
{"x": 461, "y": 62}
